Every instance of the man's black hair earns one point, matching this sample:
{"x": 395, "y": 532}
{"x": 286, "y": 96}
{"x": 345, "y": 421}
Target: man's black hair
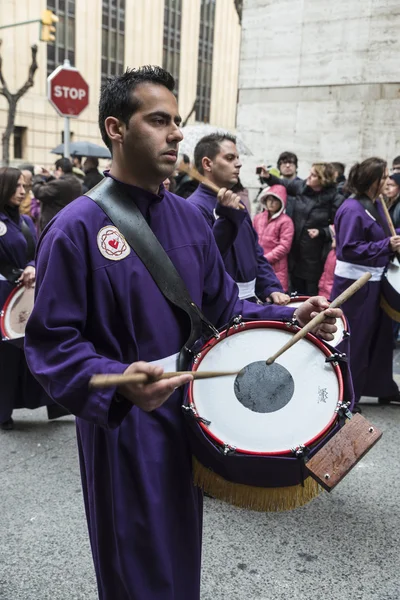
{"x": 339, "y": 167}
{"x": 287, "y": 156}
{"x": 64, "y": 164}
{"x": 185, "y": 159}
{"x": 117, "y": 99}
{"x": 209, "y": 146}
{"x": 396, "y": 161}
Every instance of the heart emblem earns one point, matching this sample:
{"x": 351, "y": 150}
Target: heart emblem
{"x": 114, "y": 244}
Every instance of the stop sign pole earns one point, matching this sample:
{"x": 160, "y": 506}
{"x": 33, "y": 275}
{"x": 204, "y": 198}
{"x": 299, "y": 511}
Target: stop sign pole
{"x": 68, "y": 92}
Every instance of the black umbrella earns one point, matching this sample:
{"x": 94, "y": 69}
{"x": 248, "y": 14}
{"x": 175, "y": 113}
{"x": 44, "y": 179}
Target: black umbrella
{"x": 84, "y": 149}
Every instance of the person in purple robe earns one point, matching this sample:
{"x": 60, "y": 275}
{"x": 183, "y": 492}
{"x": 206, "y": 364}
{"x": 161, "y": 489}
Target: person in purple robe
{"x": 98, "y": 310}
{"x": 216, "y": 157}
{"x": 18, "y": 389}
{"x": 363, "y": 243}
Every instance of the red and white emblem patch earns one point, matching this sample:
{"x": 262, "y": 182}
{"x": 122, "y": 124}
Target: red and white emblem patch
{"x": 112, "y": 243}
{"x": 3, "y": 228}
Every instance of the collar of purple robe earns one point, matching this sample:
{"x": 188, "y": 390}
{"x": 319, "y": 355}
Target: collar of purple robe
{"x": 206, "y": 192}
{"x": 139, "y": 194}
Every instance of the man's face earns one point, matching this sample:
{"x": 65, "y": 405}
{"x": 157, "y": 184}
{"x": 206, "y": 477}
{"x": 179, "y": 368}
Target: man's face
{"x": 396, "y": 168}
{"x": 151, "y": 140}
{"x": 287, "y": 168}
{"x": 225, "y": 167}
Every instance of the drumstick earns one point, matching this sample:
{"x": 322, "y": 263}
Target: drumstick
{"x": 387, "y": 215}
{"x": 194, "y": 174}
{"x": 352, "y": 289}
{"x": 103, "y": 381}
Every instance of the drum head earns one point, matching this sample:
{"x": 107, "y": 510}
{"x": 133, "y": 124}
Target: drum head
{"x": 341, "y": 324}
{"x": 300, "y": 412}
{"x": 16, "y": 312}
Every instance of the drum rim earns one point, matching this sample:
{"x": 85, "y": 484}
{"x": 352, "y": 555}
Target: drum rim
{"x": 304, "y": 298}
{"x": 10, "y": 298}
{"x": 259, "y": 325}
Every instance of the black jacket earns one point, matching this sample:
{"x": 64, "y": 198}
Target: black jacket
{"x": 92, "y": 178}
{"x": 54, "y": 194}
{"x": 311, "y": 210}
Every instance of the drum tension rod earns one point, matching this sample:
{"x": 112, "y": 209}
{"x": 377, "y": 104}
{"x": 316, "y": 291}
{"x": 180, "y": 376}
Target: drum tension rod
{"x": 194, "y": 414}
{"x": 337, "y": 357}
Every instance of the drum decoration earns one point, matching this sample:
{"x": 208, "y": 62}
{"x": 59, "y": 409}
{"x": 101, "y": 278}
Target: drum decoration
{"x": 251, "y": 434}
{"x": 15, "y": 314}
{"x": 390, "y": 287}
{"x": 342, "y": 332}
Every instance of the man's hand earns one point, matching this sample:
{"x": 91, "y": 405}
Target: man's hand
{"x": 395, "y": 243}
{"x": 264, "y": 172}
{"x": 279, "y": 298}
{"x": 309, "y": 309}
{"x": 149, "y": 396}
{"x": 28, "y": 277}
{"x": 313, "y": 233}
{"x": 228, "y": 198}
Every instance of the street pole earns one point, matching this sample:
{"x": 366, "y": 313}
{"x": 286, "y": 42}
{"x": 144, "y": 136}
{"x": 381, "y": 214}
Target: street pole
{"x": 67, "y": 131}
{"x": 66, "y": 137}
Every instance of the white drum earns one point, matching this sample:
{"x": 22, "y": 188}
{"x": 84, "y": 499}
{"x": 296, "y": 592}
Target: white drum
{"x": 16, "y": 312}
{"x": 266, "y": 410}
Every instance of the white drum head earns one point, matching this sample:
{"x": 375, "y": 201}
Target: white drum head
{"x": 340, "y": 324}
{"x": 17, "y": 311}
{"x": 305, "y": 417}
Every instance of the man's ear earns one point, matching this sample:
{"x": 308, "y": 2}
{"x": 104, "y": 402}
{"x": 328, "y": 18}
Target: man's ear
{"x": 206, "y": 163}
{"x": 115, "y": 129}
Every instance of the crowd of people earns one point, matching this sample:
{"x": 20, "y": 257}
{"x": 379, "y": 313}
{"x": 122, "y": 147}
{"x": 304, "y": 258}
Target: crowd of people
{"x": 98, "y": 309}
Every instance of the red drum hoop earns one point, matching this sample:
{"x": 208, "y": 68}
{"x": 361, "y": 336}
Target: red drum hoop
{"x": 15, "y": 314}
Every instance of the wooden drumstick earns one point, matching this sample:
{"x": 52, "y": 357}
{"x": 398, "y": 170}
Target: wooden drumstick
{"x": 194, "y": 174}
{"x": 104, "y": 381}
{"x": 387, "y": 215}
{"x": 317, "y": 320}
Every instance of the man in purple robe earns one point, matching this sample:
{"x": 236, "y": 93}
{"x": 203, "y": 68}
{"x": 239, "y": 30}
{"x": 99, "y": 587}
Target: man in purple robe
{"x": 216, "y": 157}
{"x": 98, "y": 310}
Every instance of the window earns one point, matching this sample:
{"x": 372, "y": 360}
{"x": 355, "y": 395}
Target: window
{"x": 112, "y": 38}
{"x": 205, "y": 57}
{"x": 64, "y": 46}
{"x": 172, "y": 38}
{"x": 19, "y": 142}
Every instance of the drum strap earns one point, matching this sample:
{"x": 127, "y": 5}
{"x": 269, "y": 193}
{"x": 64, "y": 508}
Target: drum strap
{"x": 126, "y": 216}
{"x": 372, "y": 209}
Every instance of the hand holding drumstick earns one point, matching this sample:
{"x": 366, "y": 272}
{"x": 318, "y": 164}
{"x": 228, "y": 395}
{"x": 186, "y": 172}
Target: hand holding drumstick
{"x": 225, "y": 197}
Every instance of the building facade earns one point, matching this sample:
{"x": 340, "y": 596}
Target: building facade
{"x": 198, "y": 40}
{"x": 319, "y": 79}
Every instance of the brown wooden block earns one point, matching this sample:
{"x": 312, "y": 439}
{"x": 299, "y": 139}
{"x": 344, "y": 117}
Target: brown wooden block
{"x": 343, "y": 452}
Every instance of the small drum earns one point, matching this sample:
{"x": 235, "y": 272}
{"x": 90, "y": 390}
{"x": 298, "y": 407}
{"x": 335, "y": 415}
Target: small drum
{"x": 342, "y": 325}
{"x": 15, "y": 314}
{"x": 251, "y": 432}
{"x": 390, "y": 298}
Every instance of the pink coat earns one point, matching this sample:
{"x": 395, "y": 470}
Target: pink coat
{"x": 275, "y": 234}
{"x": 326, "y": 282}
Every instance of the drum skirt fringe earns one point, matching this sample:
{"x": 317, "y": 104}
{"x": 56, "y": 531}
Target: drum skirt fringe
{"x": 252, "y": 497}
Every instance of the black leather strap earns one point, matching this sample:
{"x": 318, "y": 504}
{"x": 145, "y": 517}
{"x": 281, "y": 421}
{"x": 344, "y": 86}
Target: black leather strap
{"x": 113, "y": 200}
{"x": 30, "y": 242}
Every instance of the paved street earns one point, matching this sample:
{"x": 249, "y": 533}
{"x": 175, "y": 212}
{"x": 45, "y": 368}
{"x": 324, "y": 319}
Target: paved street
{"x": 344, "y": 545}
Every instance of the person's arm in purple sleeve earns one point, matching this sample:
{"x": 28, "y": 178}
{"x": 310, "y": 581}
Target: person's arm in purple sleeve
{"x": 226, "y": 227}
{"x": 353, "y": 245}
{"x": 58, "y": 354}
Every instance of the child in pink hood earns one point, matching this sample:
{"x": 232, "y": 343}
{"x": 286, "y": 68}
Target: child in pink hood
{"x": 275, "y": 231}
{"x": 326, "y": 282}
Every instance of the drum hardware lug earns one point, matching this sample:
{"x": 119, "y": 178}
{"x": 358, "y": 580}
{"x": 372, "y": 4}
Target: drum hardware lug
{"x": 346, "y": 334}
{"x": 234, "y": 323}
{"x": 228, "y": 450}
{"x": 190, "y": 409}
{"x": 337, "y": 358}
{"x": 205, "y": 422}
{"x": 2, "y": 313}
{"x": 301, "y": 452}
{"x": 343, "y": 411}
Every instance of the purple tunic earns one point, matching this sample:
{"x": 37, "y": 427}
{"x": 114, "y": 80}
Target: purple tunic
{"x": 95, "y": 314}
{"x": 361, "y": 243}
{"x": 18, "y": 389}
{"x": 242, "y": 254}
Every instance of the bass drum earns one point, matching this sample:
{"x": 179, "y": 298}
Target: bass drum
{"x": 250, "y": 433}
{"x": 15, "y": 314}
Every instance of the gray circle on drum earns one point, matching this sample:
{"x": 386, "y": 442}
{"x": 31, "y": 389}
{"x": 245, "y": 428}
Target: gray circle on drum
{"x": 264, "y": 388}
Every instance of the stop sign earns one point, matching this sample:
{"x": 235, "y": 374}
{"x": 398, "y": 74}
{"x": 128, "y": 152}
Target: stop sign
{"x": 67, "y": 91}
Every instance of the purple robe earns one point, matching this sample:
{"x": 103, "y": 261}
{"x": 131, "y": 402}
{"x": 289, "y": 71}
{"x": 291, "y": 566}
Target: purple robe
{"x": 242, "y": 254}
{"x": 97, "y": 315}
{"x": 18, "y": 389}
{"x": 361, "y": 243}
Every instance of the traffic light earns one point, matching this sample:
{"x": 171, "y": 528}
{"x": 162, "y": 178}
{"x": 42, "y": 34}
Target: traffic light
{"x": 47, "y": 29}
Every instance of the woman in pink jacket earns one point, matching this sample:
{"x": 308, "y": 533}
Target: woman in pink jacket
{"x": 275, "y": 231}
